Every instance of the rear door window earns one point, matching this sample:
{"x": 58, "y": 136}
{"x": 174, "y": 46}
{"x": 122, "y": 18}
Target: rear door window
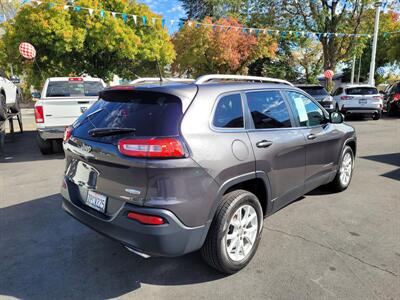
{"x": 73, "y": 88}
{"x": 229, "y": 112}
{"x": 362, "y": 91}
{"x": 150, "y": 114}
{"x": 268, "y": 109}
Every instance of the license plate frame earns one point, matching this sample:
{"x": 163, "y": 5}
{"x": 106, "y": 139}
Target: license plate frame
{"x": 363, "y": 101}
{"x": 96, "y": 201}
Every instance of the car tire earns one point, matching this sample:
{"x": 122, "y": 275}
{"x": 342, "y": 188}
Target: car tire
{"x": 343, "y": 177}
{"x": 219, "y": 250}
{"x": 45, "y": 146}
{"x": 3, "y": 108}
{"x": 376, "y": 116}
{"x": 16, "y": 107}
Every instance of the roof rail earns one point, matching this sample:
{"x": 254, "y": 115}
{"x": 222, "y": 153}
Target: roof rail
{"x": 157, "y": 79}
{"x": 210, "y": 77}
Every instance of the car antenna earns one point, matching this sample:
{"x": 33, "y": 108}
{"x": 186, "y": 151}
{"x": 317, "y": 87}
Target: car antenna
{"x": 159, "y": 71}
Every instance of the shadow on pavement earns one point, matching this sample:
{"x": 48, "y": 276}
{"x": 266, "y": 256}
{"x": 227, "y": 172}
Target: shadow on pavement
{"x": 21, "y": 147}
{"x": 47, "y": 254}
{"x": 390, "y": 159}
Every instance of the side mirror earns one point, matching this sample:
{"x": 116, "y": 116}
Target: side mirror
{"x": 15, "y": 79}
{"x": 336, "y": 117}
{"x": 35, "y": 96}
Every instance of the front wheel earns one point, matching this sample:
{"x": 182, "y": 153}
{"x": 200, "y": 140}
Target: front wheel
{"x": 343, "y": 176}
{"x": 3, "y": 108}
{"x": 235, "y": 232}
{"x": 16, "y": 106}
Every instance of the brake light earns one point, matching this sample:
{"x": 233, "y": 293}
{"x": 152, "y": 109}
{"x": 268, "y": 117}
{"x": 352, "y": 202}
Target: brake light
{"x": 75, "y": 79}
{"x": 146, "y": 219}
{"x": 153, "y": 147}
{"x": 346, "y": 97}
{"x": 378, "y": 97}
{"x": 67, "y": 133}
{"x": 396, "y": 97}
{"x": 39, "y": 117}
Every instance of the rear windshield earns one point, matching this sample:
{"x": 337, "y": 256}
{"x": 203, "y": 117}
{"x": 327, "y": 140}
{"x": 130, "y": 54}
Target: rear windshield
{"x": 73, "y": 88}
{"x": 315, "y": 90}
{"x": 362, "y": 91}
{"x": 149, "y": 113}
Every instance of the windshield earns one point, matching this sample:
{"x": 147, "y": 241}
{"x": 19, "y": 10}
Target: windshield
{"x": 362, "y": 91}
{"x": 315, "y": 90}
{"x": 73, "y": 88}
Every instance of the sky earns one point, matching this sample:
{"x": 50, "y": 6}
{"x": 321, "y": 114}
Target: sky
{"x": 169, "y": 9}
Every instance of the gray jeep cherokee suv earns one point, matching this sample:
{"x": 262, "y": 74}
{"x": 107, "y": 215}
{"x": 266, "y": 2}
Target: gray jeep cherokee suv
{"x": 167, "y": 169}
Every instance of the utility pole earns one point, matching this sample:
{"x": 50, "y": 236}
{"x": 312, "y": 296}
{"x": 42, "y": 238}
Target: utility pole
{"x": 353, "y": 69}
{"x": 359, "y": 70}
{"x": 371, "y": 79}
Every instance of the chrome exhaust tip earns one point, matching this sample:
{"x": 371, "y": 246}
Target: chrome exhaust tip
{"x": 141, "y": 254}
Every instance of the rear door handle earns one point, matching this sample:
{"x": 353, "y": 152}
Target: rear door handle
{"x": 83, "y": 102}
{"x": 311, "y": 136}
{"x": 263, "y": 144}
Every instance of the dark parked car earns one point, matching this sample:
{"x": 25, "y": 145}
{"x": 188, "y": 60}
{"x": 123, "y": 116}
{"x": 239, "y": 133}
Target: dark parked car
{"x": 392, "y": 99}
{"x": 320, "y": 94}
{"x": 167, "y": 169}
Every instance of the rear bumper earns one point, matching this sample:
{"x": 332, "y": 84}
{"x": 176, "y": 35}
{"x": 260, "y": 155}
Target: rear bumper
{"x": 361, "y": 110}
{"x": 169, "y": 240}
{"x": 49, "y": 133}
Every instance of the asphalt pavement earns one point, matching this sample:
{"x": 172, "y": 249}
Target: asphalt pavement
{"x": 323, "y": 246}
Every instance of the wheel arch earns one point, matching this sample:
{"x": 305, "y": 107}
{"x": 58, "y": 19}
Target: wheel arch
{"x": 254, "y": 182}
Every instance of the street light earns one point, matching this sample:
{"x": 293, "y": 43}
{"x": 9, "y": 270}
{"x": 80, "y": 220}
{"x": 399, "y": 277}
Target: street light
{"x": 371, "y": 79}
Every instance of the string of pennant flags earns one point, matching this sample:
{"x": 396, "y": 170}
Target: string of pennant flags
{"x": 145, "y": 21}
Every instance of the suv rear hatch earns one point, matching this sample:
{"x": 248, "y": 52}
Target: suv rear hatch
{"x": 64, "y": 101}
{"x": 362, "y": 97}
{"x": 111, "y": 144}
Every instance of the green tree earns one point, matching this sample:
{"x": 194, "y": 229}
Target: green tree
{"x": 212, "y": 49}
{"x": 72, "y": 42}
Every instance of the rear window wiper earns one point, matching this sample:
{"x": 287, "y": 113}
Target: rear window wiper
{"x": 98, "y": 132}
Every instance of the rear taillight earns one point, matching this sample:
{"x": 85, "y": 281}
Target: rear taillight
{"x": 153, "y": 147}
{"x": 67, "y": 133}
{"x": 146, "y": 219}
{"x": 39, "y": 117}
{"x": 75, "y": 79}
{"x": 396, "y": 97}
{"x": 378, "y": 97}
{"x": 346, "y": 97}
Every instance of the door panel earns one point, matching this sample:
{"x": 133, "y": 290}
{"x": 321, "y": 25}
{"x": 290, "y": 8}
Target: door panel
{"x": 279, "y": 150}
{"x": 283, "y": 161}
{"x": 322, "y": 138}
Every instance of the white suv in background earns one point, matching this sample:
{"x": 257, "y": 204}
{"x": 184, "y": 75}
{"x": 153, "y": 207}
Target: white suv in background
{"x": 62, "y": 101}
{"x": 359, "y": 99}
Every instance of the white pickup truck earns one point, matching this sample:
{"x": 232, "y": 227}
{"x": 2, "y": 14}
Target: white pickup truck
{"x": 10, "y": 95}
{"x": 62, "y": 101}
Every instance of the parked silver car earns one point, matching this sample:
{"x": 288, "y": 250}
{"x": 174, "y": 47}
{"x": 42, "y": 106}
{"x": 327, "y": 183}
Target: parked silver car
{"x": 170, "y": 168}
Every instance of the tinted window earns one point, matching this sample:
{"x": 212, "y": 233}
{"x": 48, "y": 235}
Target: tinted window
{"x": 315, "y": 90}
{"x": 229, "y": 112}
{"x": 268, "y": 109}
{"x": 73, "y": 88}
{"x": 362, "y": 91}
{"x": 338, "y": 91}
{"x": 150, "y": 113}
{"x": 306, "y": 111}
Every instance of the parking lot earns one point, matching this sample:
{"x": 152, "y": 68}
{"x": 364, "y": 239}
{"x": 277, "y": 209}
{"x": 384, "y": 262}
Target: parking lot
{"x": 324, "y": 246}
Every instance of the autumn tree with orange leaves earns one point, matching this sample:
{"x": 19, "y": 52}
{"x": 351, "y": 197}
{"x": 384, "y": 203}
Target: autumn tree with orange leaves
{"x": 204, "y": 49}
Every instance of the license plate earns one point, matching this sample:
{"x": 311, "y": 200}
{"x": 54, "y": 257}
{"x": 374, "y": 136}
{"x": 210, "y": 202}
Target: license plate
{"x": 362, "y": 101}
{"x": 96, "y": 201}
